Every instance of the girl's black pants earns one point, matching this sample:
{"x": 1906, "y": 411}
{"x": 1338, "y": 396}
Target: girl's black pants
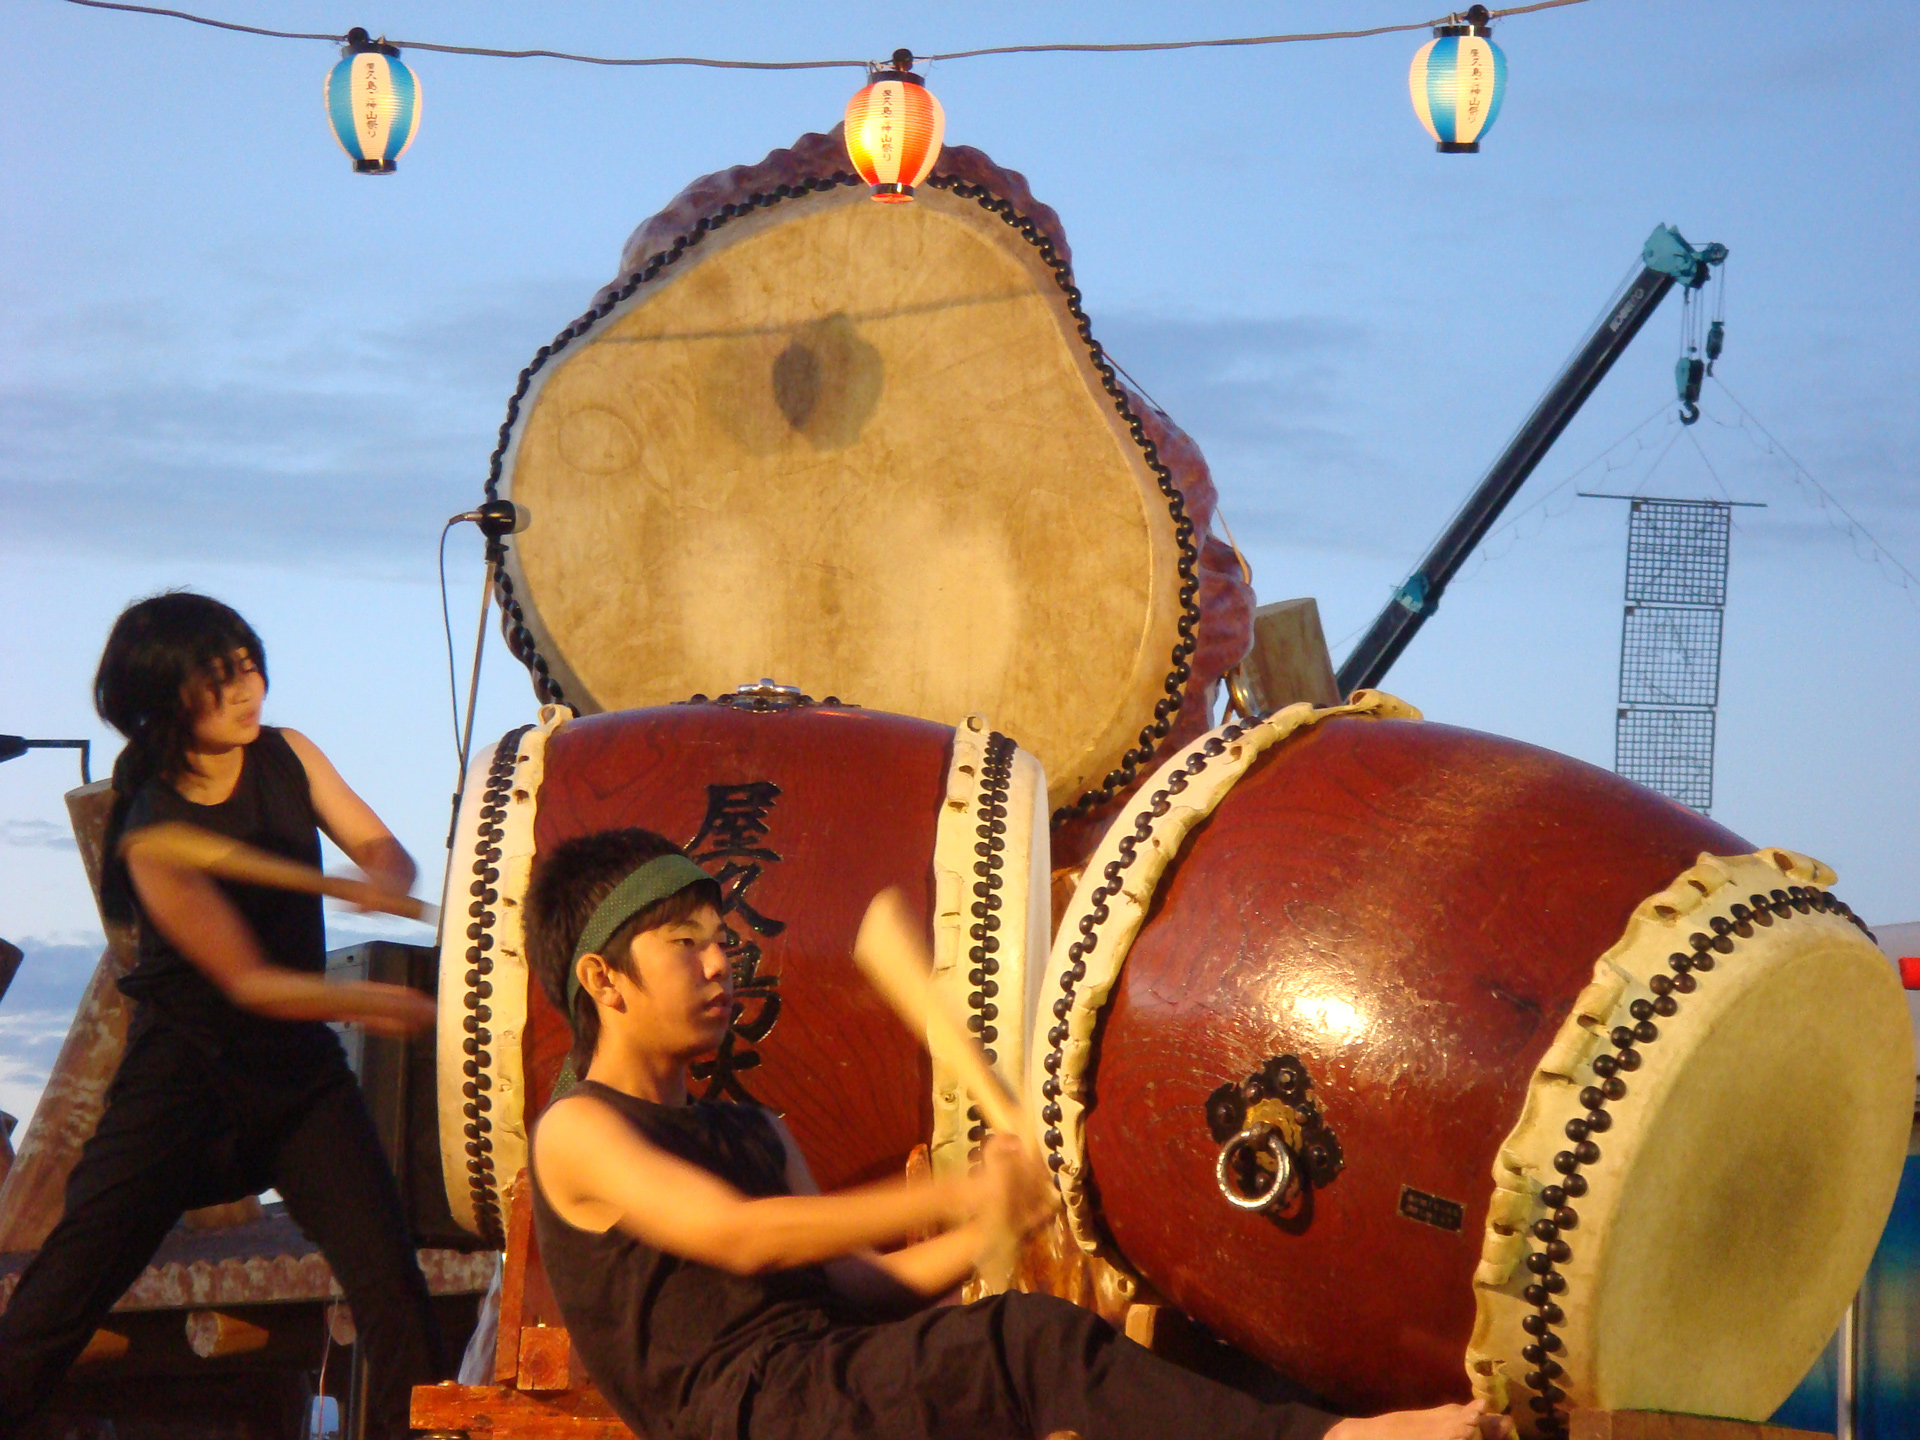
{"x": 185, "y": 1128}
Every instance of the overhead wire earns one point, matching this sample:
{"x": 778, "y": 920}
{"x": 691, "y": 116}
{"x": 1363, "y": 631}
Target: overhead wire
{"x": 1878, "y": 555}
{"x": 715, "y": 64}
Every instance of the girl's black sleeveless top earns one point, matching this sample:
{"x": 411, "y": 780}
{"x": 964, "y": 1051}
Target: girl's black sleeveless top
{"x": 271, "y": 809}
{"x": 663, "y": 1337}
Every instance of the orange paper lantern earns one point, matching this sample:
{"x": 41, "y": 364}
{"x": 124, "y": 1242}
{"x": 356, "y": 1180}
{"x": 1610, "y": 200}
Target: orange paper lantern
{"x": 894, "y": 128}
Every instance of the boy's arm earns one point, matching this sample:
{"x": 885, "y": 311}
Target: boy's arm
{"x": 905, "y": 1279}
{"x": 350, "y": 822}
{"x": 597, "y": 1172}
{"x": 199, "y": 921}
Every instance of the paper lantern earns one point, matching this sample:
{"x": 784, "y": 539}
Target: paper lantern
{"x": 1457, "y": 80}
{"x": 374, "y": 104}
{"x": 894, "y": 128}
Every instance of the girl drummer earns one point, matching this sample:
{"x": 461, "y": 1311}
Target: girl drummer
{"x": 231, "y": 1082}
{"x": 713, "y": 1291}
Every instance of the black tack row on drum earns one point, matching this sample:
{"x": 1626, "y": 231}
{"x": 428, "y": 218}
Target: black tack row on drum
{"x": 1083, "y": 946}
{"x": 996, "y": 781}
{"x": 481, "y": 1180}
{"x": 1717, "y": 940}
{"x": 1179, "y": 672}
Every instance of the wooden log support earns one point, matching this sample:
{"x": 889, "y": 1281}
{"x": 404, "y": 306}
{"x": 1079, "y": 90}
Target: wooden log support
{"x": 212, "y": 1335}
{"x": 76, "y": 1093}
{"x": 1289, "y": 660}
{"x": 1659, "y": 1425}
{"x": 104, "y": 1345}
{"x": 546, "y": 1360}
{"x": 503, "y": 1413}
{"x": 513, "y": 1282}
{"x": 340, "y": 1327}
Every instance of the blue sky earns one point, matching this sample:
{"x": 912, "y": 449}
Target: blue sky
{"x": 227, "y": 362}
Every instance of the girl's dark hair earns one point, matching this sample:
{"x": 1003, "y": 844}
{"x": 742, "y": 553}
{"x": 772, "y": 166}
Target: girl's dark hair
{"x": 567, "y": 887}
{"x": 157, "y": 649}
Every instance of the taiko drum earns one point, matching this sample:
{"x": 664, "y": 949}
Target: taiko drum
{"x": 1418, "y": 1062}
{"x": 802, "y": 812}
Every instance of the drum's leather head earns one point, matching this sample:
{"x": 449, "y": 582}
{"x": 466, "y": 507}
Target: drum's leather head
{"x": 1751, "y": 1203}
{"x": 1748, "y": 1169}
{"x": 860, "y": 449}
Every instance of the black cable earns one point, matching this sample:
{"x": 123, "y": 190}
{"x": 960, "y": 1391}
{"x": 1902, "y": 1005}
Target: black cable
{"x": 446, "y": 624}
{"x": 830, "y": 64}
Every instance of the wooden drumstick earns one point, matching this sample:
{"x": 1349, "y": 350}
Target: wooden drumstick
{"x": 189, "y": 847}
{"x": 891, "y": 954}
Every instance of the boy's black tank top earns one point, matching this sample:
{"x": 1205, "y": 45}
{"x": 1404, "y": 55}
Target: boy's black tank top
{"x": 271, "y": 808}
{"x": 659, "y": 1333}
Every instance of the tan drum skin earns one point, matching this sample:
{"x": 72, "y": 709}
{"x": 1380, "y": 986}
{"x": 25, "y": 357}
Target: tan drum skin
{"x": 871, "y": 450}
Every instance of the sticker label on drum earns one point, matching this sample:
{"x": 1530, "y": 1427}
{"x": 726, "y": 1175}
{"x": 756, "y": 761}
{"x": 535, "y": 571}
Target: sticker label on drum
{"x": 1431, "y": 1209}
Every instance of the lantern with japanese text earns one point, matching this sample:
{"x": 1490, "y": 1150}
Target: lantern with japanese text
{"x": 1457, "y": 80}
{"x": 374, "y": 104}
{"x": 894, "y": 127}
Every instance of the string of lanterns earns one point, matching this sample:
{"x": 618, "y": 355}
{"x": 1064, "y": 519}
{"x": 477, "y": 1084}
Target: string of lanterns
{"x": 894, "y": 125}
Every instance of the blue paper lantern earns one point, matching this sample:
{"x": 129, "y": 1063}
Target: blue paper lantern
{"x": 374, "y": 104}
{"x": 1457, "y": 80}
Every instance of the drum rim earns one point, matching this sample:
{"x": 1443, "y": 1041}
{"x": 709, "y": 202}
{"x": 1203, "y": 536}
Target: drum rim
{"x": 492, "y": 1145}
{"x": 989, "y": 921}
{"x": 1037, "y": 226}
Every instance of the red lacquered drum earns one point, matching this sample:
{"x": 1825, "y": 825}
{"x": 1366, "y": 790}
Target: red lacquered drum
{"x": 803, "y": 812}
{"x": 1413, "y": 1060}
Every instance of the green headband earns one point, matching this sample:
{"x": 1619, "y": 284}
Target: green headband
{"x": 649, "y": 885}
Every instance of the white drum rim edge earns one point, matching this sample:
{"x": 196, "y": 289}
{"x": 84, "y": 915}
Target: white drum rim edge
{"x": 1700, "y": 900}
{"x": 1210, "y": 767}
{"x": 478, "y": 1185}
{"x": 985, "y": 769}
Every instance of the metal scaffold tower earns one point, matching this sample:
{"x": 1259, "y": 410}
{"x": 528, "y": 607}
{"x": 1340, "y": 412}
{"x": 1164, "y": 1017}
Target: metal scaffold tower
{"x": 1676, "y": 597}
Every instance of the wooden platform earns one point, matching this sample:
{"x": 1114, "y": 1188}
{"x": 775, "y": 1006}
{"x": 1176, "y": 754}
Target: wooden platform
{"x": 1656, "y": 1425}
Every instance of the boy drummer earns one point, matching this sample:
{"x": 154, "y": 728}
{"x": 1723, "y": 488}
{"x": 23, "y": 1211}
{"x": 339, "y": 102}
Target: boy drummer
{"x": 713, "y": 1291}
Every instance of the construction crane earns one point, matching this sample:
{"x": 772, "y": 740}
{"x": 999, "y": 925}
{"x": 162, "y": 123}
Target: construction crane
{"x": 1667, "y": 259}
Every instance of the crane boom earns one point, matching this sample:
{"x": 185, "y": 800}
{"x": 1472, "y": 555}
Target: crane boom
{"x": 1666, "y": 259}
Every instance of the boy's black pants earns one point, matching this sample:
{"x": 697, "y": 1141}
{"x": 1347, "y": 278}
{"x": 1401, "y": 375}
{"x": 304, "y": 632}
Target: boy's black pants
{"x": 1016, "y": 1367}
{"x": 183, "y": 1129}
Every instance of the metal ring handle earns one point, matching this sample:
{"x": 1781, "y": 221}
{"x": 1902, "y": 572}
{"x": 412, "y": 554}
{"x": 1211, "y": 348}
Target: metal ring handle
{"x": 1267, "y": 1136}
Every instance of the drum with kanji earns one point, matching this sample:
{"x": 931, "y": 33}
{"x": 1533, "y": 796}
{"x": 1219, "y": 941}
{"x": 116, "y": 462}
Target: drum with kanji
{"x": 802, "y": 811}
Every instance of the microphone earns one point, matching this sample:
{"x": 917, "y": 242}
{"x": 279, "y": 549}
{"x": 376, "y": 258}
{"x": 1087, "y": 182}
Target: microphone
{"x": 496, "y": 518}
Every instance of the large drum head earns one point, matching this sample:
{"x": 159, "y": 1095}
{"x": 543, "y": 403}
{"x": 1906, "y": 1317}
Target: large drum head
{"x": 1737, "y": 1199}
{"x": 869, "y": 449}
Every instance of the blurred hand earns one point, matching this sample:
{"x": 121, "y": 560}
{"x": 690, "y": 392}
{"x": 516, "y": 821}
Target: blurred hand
{"x": 387, "y": 867}
{"x": 391, "y": 1011}
{"x": 1021, "y": 1193}
{"x": 1443, "y": 1422}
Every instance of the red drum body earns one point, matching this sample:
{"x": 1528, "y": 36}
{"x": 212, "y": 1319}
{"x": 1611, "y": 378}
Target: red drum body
{"x": 802, "y": 812}
{"x": 1361, "y": 970}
